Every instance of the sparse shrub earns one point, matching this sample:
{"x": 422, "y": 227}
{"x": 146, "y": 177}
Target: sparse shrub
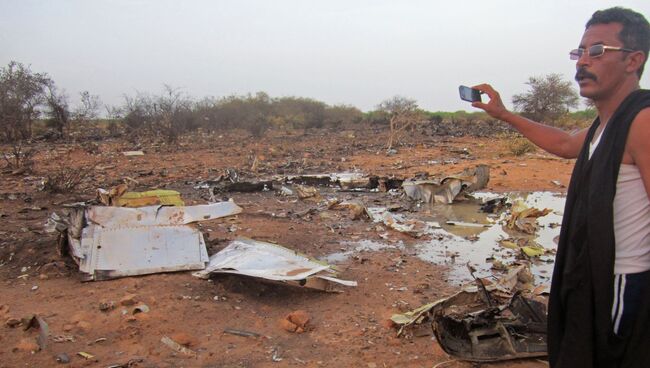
{"x": 576, "y": 120}
{"x": 114, "y": 129}
{"x": 519, "y": 146}
{"x": 65, "y": 179}
{"x": 20, "y": 157}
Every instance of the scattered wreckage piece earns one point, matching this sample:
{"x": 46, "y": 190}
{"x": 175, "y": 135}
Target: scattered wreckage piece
{"x": 133, "y": 153}
{"x": 447, "y": 189}
{"x": 398, "y": 222}
{"x": 345, "y": 181}
{"x": 466, "y": 328}
{"x": 38, "y": 323}
{"x": 470, "y": 326}
{"x": 274, "y": 263}
{"x": 178, "y": 347}
{"x": 495, "y": 205}
{"x": 413, "y": 228}
{"x": 120, "y": 196}
{"x": 242, "y": 186}
{"x": 529, "y": 247}
{"x": 524, "y": 219}
{"x": 112, "y": 242}
{"x": 358, "y": 210}
{"x": 305, "y": 192}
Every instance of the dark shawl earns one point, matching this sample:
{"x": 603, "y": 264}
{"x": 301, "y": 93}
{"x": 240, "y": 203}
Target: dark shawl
{"x": 580, "y": 330}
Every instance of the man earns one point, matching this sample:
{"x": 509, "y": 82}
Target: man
{"x": 599, "y": 308}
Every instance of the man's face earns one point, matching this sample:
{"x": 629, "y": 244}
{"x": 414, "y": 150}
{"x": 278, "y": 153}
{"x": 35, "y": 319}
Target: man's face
{"x": 599, "y": 77}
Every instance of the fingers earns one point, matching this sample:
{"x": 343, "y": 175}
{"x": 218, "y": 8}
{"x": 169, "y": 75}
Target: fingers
{"x": 487, "y": 89}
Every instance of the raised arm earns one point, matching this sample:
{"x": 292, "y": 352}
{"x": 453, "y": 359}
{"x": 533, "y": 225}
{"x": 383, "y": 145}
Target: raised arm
{"x": 548, "y": 138}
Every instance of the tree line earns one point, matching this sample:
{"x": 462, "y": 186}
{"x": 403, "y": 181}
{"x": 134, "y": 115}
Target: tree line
{"x": 27, "y": 97}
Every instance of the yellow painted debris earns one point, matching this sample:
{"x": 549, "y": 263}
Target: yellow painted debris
{"x": 149, "y": 198}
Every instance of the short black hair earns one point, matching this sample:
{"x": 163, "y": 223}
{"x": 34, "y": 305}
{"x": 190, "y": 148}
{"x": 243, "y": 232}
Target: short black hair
{"x": 635, "y": 34}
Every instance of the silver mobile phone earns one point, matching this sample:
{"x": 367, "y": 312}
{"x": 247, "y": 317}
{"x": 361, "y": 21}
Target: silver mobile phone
{"x": 469, "y": 94}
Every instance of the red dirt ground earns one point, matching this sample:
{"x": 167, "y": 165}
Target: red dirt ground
{"x": 347, "y": 329}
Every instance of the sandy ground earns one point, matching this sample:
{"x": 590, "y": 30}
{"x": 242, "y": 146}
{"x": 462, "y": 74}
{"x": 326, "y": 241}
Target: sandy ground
{"x": 348, "y": 329}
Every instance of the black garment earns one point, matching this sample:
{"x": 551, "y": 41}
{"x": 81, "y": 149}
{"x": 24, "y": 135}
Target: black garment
{"x": 579, "y": 324}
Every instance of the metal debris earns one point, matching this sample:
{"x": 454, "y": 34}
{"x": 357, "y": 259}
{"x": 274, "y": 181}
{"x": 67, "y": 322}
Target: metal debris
{"x": 272, "y": 262}
{"x": 110, "y": 242}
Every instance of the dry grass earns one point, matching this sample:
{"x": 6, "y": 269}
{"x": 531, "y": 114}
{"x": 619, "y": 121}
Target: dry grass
{"x": 519, "y": 146}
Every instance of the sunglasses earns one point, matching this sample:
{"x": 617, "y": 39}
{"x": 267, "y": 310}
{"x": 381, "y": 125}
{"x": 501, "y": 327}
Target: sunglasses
{"x": 595, "y": 51}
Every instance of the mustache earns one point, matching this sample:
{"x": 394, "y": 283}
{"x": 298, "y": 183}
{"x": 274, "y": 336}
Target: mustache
{"x": 583, "y": 73}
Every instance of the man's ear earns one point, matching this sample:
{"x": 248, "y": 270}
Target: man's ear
{"x": 635, "y": 60}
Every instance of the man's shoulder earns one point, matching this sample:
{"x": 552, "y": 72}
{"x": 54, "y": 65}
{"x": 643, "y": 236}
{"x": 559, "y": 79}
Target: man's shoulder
{"x": 643, "y": 115}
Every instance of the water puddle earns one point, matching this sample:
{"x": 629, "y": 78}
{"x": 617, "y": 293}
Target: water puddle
{"x": 350, "y": 248}
{"x": 461, "y": 233}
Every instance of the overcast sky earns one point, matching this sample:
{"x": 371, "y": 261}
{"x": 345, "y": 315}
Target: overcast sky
{"x": 356, "y": 52}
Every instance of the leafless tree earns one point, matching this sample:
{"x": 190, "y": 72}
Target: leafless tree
{"x": 88, "y": 108}
{"x": 402, "y": 113}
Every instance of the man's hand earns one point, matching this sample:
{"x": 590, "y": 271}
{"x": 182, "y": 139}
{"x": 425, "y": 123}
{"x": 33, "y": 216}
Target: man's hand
{"x": 550, "y": 139}
{"x": 494, "y": 107}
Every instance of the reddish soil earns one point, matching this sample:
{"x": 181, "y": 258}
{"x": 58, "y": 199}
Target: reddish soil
{"x": 348, "y": 329}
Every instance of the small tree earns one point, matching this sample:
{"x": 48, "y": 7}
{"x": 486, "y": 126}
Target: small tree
{"x": 88, "y": 108}
{"x": 58, "y": 113}
{"x": 21, "y": 94}
{"x": 548, "y": 98}
{"x": 402, "y": 113}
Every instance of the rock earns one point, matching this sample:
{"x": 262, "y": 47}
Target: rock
{"x": 12, "y": 322}
{"x": 84, "y": 326}
{"x": 4, "y": 309}
{"x": 106, "y": 306}
{"x": 295, "y": 321}
{"x": 185, "y": 339}
{"x": 287, "y": 325}
{"x": 55, "y": 268}
{"x": 68, "y": 327}
{"x": 299, "y": 318}
{"x": 127, "y": 300}
{"x": 63, "y": 358}
{"x": 28, "y": 345}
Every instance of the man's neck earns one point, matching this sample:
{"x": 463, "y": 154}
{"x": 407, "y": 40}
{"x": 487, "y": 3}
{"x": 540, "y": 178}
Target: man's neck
{"x": 606, "y": 107}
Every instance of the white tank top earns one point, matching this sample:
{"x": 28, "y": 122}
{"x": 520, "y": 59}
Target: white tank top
{"x": 631, "y": 219}
{"x": 631, "y": 222}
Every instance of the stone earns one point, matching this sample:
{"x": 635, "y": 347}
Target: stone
{"x": 287, "y": 325}
{"x": 299, "y": 318}
{"x": 295, "y": 321}
{"x": 185, "y": 339}
{"x": 28, "y": 345}
{"x": 84, "y": 326}
{"x": 128, "y": 299}
{"x": 12, "y": 322}
{"x": 63, "y": 358}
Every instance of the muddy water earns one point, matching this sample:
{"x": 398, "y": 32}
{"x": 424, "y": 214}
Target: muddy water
{"x": 460, "y": 233}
